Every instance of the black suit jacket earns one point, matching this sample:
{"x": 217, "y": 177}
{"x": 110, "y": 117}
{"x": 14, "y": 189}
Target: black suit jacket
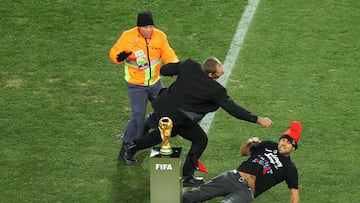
{"x": 193, "y": 91}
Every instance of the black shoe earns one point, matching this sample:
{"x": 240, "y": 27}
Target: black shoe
{"x": 126, "y": 154}
{"x": 192, "y": 181}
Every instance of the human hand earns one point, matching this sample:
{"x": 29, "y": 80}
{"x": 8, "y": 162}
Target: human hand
{"x": 245, "y": 148}
{"x": 122, "y": 56}
{"x": 265, "y": 122}
{"x": 253, "y": 140}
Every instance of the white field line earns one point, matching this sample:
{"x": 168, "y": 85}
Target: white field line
{"x": 233, "y": 53}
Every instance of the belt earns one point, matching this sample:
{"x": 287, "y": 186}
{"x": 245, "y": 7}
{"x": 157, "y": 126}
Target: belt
{"x": 241, "y": 180}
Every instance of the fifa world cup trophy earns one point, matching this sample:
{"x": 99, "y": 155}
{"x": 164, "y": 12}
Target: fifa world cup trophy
{"x": 165, "y": 127}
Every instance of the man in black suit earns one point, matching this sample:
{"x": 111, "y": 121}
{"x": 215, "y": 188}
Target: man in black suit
{"x": 187, "y": 100}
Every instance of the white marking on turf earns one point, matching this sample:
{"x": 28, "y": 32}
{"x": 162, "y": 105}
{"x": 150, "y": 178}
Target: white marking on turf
{"x": 233, "y": 53}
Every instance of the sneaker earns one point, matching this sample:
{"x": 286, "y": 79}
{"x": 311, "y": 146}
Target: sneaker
{"x": 192, "y": 181}
{"x": 126, "y": 154}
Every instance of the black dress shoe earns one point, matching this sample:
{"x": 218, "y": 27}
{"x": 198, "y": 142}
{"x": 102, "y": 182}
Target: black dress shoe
{"x": 126, "y": 154}
{"x": 192, "y": 181}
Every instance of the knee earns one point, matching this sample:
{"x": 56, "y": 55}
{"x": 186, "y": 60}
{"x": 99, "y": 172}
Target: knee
{"x": 200, "y": 143}
{"x": 203, "y": 141}
{"x": 139, "y": 114}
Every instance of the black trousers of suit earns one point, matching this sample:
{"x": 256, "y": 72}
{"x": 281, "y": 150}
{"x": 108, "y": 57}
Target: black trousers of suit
{"x": 185, "y": 128}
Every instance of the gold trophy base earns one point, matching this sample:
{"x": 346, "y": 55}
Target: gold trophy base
{"x": 166, "y": 151}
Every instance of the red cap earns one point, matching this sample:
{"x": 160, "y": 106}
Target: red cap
{"x": 294, "y": 133}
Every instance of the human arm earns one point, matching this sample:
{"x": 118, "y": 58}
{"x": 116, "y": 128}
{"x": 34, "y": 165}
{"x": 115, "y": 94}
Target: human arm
{"x": 170, "y": 69}
{"x": 115, "y": 50}
{"x": 234, "y": 109}
{"x": 122, "y": 47}
{"x": 241, "y": 113}
{"x": 295, "y": 196}
{"x": 292, "y": 181}
{"x": 168, "y": 54}
{"x": 245, "y": 148}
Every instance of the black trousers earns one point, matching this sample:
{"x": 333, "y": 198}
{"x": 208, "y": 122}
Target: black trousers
{"x": 185, "y": 128}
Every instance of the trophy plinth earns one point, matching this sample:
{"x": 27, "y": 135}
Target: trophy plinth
{"x": 165, "y": 127}
{"x": 165, "y": 176}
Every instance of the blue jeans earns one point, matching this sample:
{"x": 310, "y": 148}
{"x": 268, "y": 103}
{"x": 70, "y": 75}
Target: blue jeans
{"x": 225, "y": 185}
{"x": 139, "y": 97}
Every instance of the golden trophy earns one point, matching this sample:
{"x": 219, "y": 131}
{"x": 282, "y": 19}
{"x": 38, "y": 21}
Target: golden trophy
{"x": 165, "y": 127}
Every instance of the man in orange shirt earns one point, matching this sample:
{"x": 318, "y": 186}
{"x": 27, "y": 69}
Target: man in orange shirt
{"x": 142, "y": 50}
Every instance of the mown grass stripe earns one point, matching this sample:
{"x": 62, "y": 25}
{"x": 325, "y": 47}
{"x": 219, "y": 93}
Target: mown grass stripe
{"x": 233, "y": 53}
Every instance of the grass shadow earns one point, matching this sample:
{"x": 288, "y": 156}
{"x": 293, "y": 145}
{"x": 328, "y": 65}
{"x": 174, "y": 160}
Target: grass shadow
{"x": 131, "y": 183}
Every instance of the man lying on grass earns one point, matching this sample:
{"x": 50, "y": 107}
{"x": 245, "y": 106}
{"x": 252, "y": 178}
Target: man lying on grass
{"x": 268, "y": 164}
